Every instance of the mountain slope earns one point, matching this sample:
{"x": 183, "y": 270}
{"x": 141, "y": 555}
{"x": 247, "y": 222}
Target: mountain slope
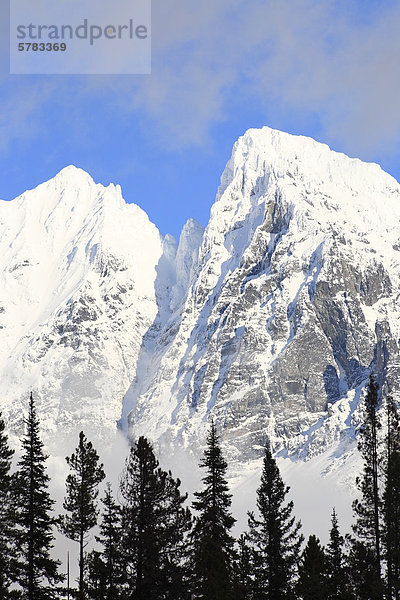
{"x": 293, "y": 300}
{"x": 77, "y": 295}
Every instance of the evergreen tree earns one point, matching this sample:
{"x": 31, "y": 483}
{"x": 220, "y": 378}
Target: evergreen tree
{"x": 312, "y": 583}
{"x": 105, "y": 567}
{"x": 6, "y": 518}
{"x": 362, "y": 572}
{"x": 81, "y": 500}
{"x": 154, "y": 528}
{"x": 37, "y": 571}
{"x": 338, "y": 584}
{"x": 367, "y": 507}
{"x": 243, "y": 583}
{"x": 213, "y": 543}
{"x": 96, "y": 577}
{"x": 176, "y": 526}
{"x": 274, "y": 536}
{"x": 391, "y": 502}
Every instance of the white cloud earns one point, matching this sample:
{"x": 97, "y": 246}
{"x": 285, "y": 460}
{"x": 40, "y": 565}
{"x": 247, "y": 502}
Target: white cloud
{"x": 277, "y": 55}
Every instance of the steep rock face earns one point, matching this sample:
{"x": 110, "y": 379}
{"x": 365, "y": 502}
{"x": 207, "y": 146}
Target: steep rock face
{"x": 76, "y": 298}
{"x": 292, "y": 301}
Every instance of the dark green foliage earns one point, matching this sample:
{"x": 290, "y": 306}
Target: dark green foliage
{"x": 213, "y": 543}
{"x": 81, "y": 499}
{"x": 312, "y": 583}
{"x": 105, "y": 568}
{"x": 176, "y": 527}
{"x": 37, "y": 571}
{"x": 6, "y": 516}
{"x": 367, "y": 507}
{"x": 96, "y": 577}
{"x": 362, "y": 571}
{"x": 274, "y": 535}
{"x": 142, "y": 492}
{"x": 367, "y": 544}
{"x": 391, "y": 502}
{"x": 243, "y": 583}
{"x": 154, "y": 528}
{"x": 337, "y": 572}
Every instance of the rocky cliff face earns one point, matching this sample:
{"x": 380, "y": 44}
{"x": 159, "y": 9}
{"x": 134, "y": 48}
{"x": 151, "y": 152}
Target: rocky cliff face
{"x": 292, "y": 302}
{"x": 269, "y": 320}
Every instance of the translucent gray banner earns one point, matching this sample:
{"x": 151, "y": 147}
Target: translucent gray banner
{"x": 83, "y": 37}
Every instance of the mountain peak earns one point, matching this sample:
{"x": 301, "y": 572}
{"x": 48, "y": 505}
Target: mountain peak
{"x": 71, "y": 173}
{"x": 281, "y": 154}
{"x": 71, "y": 190}
{"x": 192, "y": 223}
{"x": 294, "y": 173}
{"x": 286, "y": 306}
{"x": 72, "y": 179}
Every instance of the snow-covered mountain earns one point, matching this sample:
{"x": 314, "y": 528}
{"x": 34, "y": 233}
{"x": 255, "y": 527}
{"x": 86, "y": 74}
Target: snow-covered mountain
{"x": 293, "y": 300}
{"x": 269, "y": 320}
{"x": 77, "y": 295}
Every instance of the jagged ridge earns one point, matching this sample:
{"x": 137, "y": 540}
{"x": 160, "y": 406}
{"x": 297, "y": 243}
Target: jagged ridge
{"x": 293, "y": 301}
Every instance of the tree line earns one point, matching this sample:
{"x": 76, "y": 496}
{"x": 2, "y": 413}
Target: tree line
{"x": 152, "y": 546}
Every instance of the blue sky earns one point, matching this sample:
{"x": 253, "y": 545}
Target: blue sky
{"x": 327, "y": 69}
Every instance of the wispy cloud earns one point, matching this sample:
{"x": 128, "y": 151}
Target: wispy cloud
{"x": 19, "y": 111}
{"x": 278, "y": 55}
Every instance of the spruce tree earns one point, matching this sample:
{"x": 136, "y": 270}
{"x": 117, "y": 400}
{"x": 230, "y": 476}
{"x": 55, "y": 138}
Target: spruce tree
{"x": 391, "y": 503}
{"x": 106, "y": 567}
{"x": 154, "y": 528}
{"x": 141, "y": 490}
{"x": 96, "y": 576}
{"x": 37, "y": 570}
{"x": 274, "y": 535}
{"x": 362, "y": 572}
{"x": 213, "y": 542}
{"x": 337, "y": 573}
{"x": 6, "y": 517}
{"x": 243, "y": 583}
{"x": 312, "y": 583}
{"x": 367, "y": 507}
{"x": 81, "y": 500}
{"x": 176, "y": 522}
